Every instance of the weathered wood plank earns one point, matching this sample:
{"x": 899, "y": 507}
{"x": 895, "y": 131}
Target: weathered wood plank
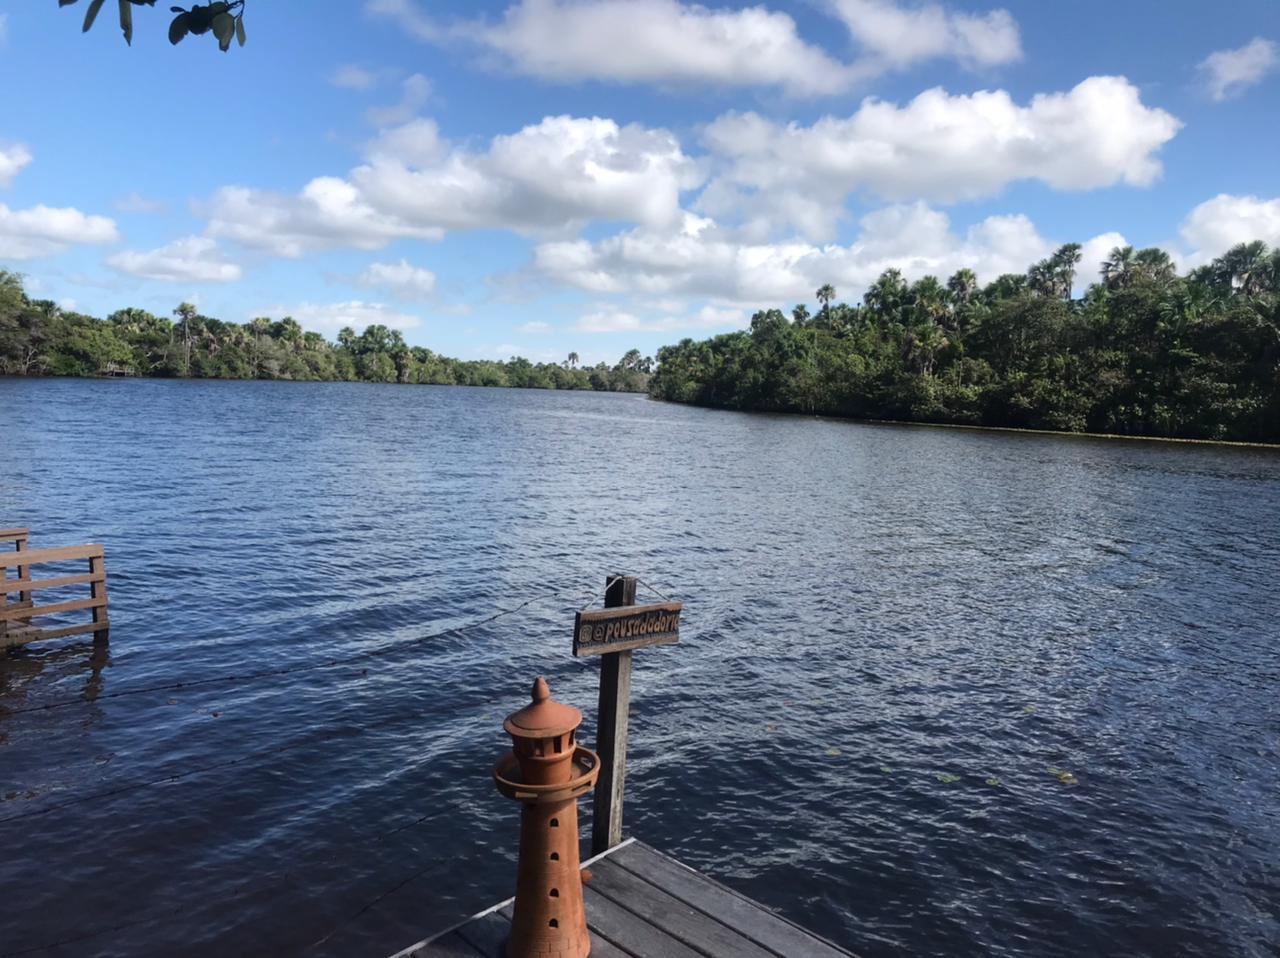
{"x": 35, "y": 611}
{"x": 452, "y": 945}
{"x": 487, "y": 934}
{"x": 13, "y": 638}
{"x": 601, "y": 947}
{"x": 748, "y": 917}
{"x": 683, "y": 922}
{"x": 612, "y": 710}
{"x": 59, "y": 582}
{"x": 609, "y": 920}
{"x": 98, "y": 590}
{"x": 10, "y": 560}
{"x": 12, "y": 535}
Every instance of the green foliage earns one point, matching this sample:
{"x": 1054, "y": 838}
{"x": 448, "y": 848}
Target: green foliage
{"x": 225, "y": 20}
{"x": 1145, "y": 352}
{"x": 37, "y": 338}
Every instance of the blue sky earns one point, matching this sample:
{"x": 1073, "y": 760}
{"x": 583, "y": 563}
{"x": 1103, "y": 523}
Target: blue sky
{"x": 543, "y": 176}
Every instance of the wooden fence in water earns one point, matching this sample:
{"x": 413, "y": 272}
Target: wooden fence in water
{"x": 16, "y": 616}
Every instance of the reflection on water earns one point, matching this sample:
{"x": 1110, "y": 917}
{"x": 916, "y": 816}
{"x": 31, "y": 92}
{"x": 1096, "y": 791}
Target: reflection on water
{"x": 937, "y": 692}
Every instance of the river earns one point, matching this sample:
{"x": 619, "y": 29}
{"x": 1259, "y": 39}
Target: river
{"x": 937, "y": 691}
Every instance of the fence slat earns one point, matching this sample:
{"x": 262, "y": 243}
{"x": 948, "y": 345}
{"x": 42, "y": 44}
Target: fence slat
{"x": 23, "y": 636}
{"x": 34, "y": 585}
{"x": 31, "y": 612}
{"x": 9, "y": 560}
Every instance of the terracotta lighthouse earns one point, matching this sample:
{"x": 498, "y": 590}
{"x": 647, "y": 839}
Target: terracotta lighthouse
{"x": 547, "y": 771}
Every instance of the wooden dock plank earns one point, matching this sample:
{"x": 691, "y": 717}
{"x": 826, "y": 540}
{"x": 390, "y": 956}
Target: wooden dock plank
{"x": 690, "y": 926}
{"x": 748, "y": 917}
{"x": 643, "y": 904}
{"x": 11, "y": 560}
{"x": 33, "y": 585}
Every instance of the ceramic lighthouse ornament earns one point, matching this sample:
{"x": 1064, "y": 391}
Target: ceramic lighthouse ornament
{"x": 547, "y": 772}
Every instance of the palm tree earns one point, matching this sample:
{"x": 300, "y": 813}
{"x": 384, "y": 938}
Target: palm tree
{"x": 1154, "y": 265}
{"x": 825, "y": 294}
{"x": 962, "y": 285}
{"x": 1117, "y": 268}
{"x": 1244, "y": 267}
{"x": 573, "y": 360}
{"x": 1063, "y": 263}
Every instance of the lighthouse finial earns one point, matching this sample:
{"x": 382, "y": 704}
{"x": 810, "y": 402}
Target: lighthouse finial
{"x": 541, "y": 691}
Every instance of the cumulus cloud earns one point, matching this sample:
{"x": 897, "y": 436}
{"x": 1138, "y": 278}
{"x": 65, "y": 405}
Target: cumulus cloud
{"x": 1228, "y": 73}
{"x": 674, "y": 44}
{"x": 192, "y": 259}
{"x": 901, "y": 36}
{"x": 45, "y": 230}
{"x": 400, "y": 280}
{"x": 12, "y": 159}
{"x": 937, "y": 147}
{"x": 1216, "y": 225}
{"x": 331, "y": 317}
{"x": 553, "y": 176}
{"x": 704, "y": 260}
{"x": 329, "y": 213}
{"x": 414, "y": 94}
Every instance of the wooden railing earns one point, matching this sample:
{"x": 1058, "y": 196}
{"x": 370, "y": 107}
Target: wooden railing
{"x": 16, "y": 617}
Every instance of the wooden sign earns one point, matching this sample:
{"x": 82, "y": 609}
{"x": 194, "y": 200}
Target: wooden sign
{"x": 626, "y": 627}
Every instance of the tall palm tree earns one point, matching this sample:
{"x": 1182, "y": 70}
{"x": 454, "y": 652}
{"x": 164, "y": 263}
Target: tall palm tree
{"x": 1154, "y": 265}
{"x": 825, "y": 294}
{"x": 962, "y": 285}
{"x": 1117, "y": 268}
{"x": 573, "y": 360}
{"x": 1244, "y": 267}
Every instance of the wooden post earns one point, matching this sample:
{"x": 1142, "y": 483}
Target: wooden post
{"x": 611, "y": 728}
{"x": 96, "y": 590}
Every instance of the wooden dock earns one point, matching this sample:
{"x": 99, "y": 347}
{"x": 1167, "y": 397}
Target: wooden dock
{"x": 644, "y": 904}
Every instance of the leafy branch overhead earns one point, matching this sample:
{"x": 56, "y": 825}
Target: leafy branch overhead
{"x": 224, "y": 20}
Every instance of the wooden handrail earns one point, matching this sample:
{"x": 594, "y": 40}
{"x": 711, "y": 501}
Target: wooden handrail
{"x": 16, "y": 617}
{"x": 10, "y": 560}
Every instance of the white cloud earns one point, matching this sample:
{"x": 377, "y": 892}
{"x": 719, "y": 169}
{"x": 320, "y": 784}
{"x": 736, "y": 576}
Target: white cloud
{"x": 44, "y": 230}
{"x": 703, "y": 260}
{"x": 12, "y": 159}
{"x": 329, "y": 213}
{"x": 401, "y": 280}
{"x": 192, "y": 259}
{"x": 331, "y": 317}
{"x": 899, "y": 36}
{"x": 414, "y": 94}
{"x": 137, "y": 203}
{"x": 938, "y": 147}
{"x": 534, "y": 326}
{"x": 1216, "y": 225}
{"x": 662, "y": 42}
{"x": 1228, "y": 73}
{"x": 675, "y": 44}
{"x": 614, "y": 319}
{"x": 552, "y": 176}
{"x": 352, "y": 77}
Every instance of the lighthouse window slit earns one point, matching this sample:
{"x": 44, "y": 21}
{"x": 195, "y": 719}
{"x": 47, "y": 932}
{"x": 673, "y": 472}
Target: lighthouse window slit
{"x": 555, "y": 893}
{"x": 555, "y": 823}
{"x": 555, "y": 856}
{"x": 554, "y": 923}
{"x": 559, "y": 746}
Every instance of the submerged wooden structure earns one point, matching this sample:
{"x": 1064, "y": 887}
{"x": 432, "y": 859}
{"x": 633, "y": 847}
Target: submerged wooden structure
{"x": 639, "y": 902}
{"x": 643, "y": 904}
{"x": 17, "y": 615}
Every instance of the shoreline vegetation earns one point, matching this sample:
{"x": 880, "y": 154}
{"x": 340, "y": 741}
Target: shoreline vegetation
{"x": 1144, "y": 353}
{"x": 38, "y": 338}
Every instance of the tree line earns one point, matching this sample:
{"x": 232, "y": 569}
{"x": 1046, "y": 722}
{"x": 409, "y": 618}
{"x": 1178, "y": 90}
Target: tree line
{"x": 38, "y": 338}
{"x": 1144, "y": 352}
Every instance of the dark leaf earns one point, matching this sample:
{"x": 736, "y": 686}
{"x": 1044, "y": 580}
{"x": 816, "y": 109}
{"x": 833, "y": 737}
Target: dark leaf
{"x": 91, "y": 14}
{"x": 178, "y": 29}
{"x": 224, "y": 28}
{"x": 240, "y": 29}
{"x": 126, "y": 21}
{"x": 65, "y": 3}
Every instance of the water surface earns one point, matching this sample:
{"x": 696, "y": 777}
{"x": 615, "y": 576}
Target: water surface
{"x": 891, "y": 636}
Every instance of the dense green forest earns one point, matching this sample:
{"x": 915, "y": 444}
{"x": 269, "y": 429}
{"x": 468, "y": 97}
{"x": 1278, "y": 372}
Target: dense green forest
{"x": 37, "y": 338}
{"x": 1145, "y": 351}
